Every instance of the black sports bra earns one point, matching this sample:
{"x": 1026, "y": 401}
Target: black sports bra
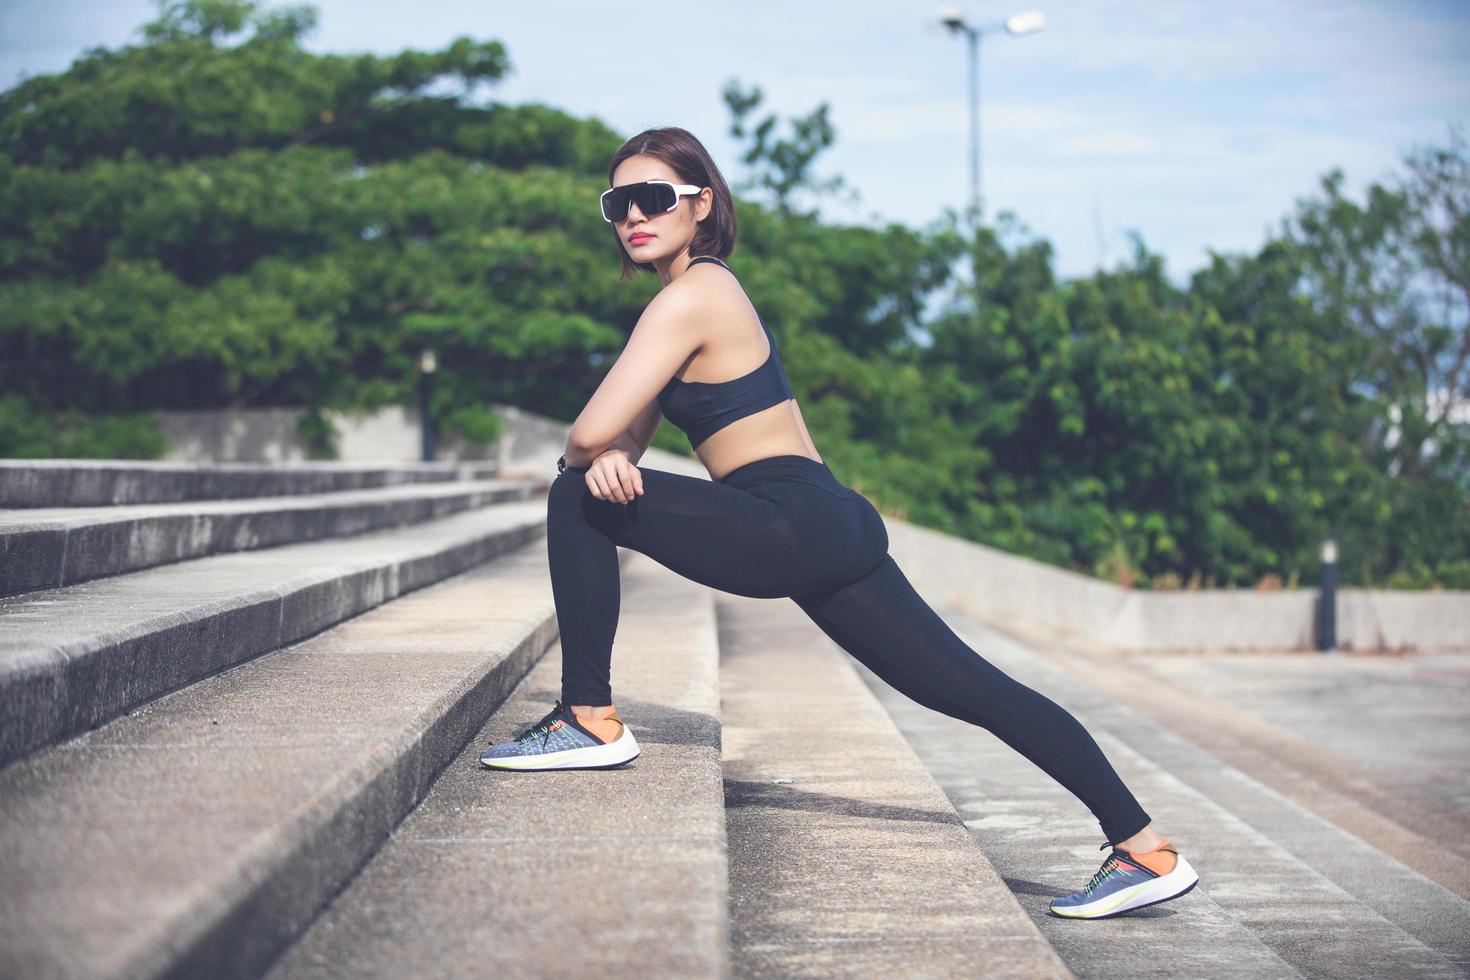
{"x": 702, "y": 408}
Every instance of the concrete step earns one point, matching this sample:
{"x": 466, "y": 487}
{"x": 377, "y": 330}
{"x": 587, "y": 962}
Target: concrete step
{"x": 1300, "y": 820}
{"x": 49, "y": 548}
{"x": 846, "y": 857}
{"x": 196, "y": 836}
{"x": 73, "y": 657}
{"x": 1261, "y": 909}
{"x": 1377, "y": 744}
{"x": 104, "y": 482}
{"x": 616, "y": 872}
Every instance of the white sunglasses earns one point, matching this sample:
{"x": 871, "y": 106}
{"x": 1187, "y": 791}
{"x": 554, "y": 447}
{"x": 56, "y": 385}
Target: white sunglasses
{"x": 653, "y": 197}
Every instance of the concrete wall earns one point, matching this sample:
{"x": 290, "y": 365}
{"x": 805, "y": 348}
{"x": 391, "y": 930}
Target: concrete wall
{"x": 1398, "y": 620}
{"x": 1001, "y": 587}
{"x": 268, "y": 435}
{"x": 529, "y": 445}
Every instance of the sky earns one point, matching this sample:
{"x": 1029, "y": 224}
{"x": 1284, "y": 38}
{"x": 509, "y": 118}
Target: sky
{"x": 1197, "y": 125}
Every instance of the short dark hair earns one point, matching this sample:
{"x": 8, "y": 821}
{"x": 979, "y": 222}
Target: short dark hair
{"x": 688, "y": 158}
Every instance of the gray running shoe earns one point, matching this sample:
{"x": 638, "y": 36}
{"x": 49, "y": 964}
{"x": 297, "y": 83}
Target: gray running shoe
{"x": 1125, "y": 883}
{"x": 558, "y": 741}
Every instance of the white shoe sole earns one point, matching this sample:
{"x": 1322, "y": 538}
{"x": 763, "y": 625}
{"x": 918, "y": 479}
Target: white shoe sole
{"x": 622, "y": 749}
{"x": 1151, "y": 892}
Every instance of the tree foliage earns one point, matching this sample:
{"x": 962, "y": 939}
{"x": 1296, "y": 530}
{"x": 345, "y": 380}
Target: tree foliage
{"x": 192, "y": 223}
{"x": 216, "y": 217}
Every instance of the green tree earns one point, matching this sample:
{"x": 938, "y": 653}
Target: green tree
{"x": 1394, "y": 271}
{"x": 782, "y": 166}
{"x": 216, "y": 217}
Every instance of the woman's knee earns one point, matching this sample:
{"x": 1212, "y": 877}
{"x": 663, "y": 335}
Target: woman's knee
{"x": 568, "y": 489}
{"x": 570, "y": 499}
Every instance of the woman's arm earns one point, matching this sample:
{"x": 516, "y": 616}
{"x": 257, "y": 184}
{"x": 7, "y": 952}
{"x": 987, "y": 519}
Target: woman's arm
{"x": 643, "y": 427}
{"x": 635, "y": 441}
{"x": 623, "y": 411}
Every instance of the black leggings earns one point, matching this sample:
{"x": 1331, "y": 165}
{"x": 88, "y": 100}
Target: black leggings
{"x": 782, "y": 527}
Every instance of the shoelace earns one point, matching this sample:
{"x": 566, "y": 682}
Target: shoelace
{"x": 1108, "y": 867}
{"x": 542, "y": 727}
{"x": 544, "y": 731}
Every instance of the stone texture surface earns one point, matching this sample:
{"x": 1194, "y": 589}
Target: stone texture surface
{"x": 200, "y": 833}
{"x": 92, "y": 482}
{"x": 50, "y": 548}
{"x": 1368, "y": 743}
{"x": 73, "y": 657}
{"x": 618, "y": 872}
{"x": 1282, "y": 892}
{"x": 1403, "y": 719}
{"x": 856, "y": 864}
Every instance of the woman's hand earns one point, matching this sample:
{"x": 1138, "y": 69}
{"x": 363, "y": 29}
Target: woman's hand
{"x": 612, "y": 476}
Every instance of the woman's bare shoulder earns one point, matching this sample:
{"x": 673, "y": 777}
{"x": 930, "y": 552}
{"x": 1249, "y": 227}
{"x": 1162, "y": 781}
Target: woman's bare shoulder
{"x": 707, "y": 290}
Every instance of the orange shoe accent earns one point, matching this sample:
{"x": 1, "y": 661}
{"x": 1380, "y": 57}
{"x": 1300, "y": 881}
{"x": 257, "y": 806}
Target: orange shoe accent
{"x": 611, "y": 714}
{"x": 588, "y": 722}
{"x": 1160, "y": 859}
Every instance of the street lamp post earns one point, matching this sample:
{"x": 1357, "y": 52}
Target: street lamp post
{"x": 428, "y": 364}
{"x": 954, "y": 19}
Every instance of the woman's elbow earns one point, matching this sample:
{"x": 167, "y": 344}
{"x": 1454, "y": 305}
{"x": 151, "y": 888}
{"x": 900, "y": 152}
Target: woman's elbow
{"x": 590, "y": 443}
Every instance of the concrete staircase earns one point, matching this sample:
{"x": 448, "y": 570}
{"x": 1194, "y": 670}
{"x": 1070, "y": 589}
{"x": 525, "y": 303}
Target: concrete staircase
{"x": 1283, "y": 892}
{"x": 243, "y": 709}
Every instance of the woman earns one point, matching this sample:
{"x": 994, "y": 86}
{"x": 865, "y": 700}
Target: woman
{"x": 773, "y": 522}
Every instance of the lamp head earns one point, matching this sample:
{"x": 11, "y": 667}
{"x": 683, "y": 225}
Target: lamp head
{"x": 1027, "y": 22}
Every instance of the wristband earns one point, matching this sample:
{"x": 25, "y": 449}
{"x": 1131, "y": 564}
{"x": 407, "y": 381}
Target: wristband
{"x": 561, "y": 464}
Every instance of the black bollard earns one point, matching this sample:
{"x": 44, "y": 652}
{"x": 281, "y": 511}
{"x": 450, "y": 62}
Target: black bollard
{"x": 1327, "y": 598}
{"x": 428, "y": 364}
